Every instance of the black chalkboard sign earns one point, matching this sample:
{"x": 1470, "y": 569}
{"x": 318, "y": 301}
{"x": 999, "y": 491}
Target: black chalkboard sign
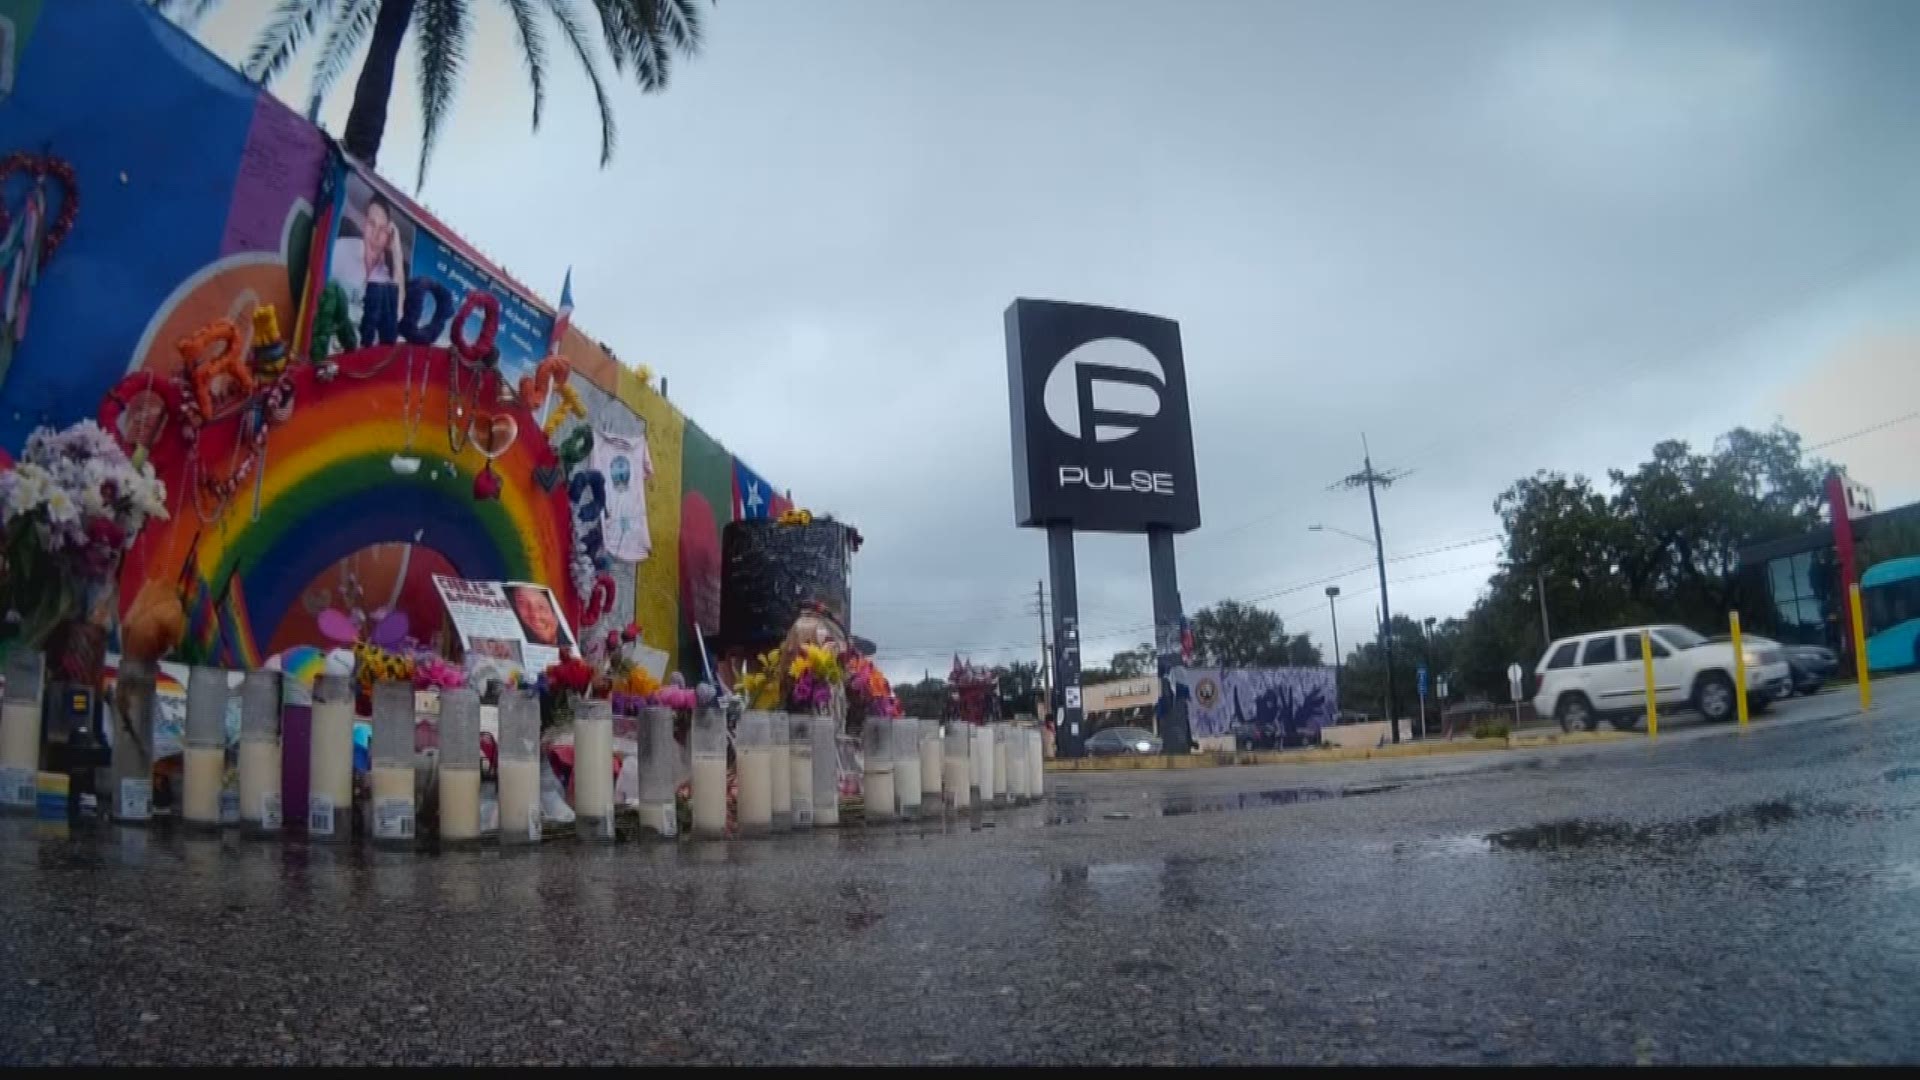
{"x": 770, "y": 573}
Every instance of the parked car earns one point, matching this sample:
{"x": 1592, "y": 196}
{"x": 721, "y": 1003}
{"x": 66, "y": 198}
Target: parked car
{"x": 1812, "y": 665}
{"x": 1587, "y": 678}
{"x": 1123, "y": 740}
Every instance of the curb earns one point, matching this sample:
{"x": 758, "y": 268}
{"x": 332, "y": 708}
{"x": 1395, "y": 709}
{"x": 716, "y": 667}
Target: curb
{"x": 1225, "y": 759}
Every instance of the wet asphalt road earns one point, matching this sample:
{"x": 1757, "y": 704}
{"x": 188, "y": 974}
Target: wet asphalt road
{"x": 1711, "y": 898}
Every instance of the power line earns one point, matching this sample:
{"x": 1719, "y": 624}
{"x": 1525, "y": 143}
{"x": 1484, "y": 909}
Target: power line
{"x": 1850, "y": 436}
{"x": 1092, "y": 634}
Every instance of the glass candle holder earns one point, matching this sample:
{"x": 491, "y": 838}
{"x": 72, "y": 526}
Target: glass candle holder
{"x": 824, "y": 733}
{"x": 982, "y": 764}
{"x": 1036, "y": 763}
{"x": 799, "y": 767}
{"x": 956, "y": 773}
{"x": 753, "y": 748}
{"x": 395, "y": 807}
{"x": 20, "y": 724}
{"x": 931, "y": 765}
{"x": 330, "y": 775}
{"x": 780, "y": 770}
{"x": 519, "y": 744}
{"x": 1017, "y": 773}
{"x": 204, "y": 757}
{"x": 999, "y": 730}
{"x": 906, "y": 766}
{"x": 135, "y": 708}
{"x": 459, "y": 766}
{"x": 876, "y": 789}
{"x": 593, "y": 769}
{"x": 708, "y": 739}
{"x": 260, "y": 805}
{"x": 659, "y": 767}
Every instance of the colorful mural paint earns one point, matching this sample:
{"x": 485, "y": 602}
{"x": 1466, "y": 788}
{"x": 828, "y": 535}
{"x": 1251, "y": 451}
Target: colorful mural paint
{"x": 263, "y": 212}
{"x": 193, "y": 195}
{"x": 1291, "y": 703}
{"x": 328, "y": 487}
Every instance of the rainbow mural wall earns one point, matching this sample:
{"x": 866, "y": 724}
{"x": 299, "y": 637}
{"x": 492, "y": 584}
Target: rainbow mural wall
{"x": 203, "y": 197}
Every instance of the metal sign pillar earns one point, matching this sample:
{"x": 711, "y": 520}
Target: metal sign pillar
{"x": 1068, "y": 740}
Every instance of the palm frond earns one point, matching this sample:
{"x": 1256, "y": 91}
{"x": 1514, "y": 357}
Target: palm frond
{"x": 184, "y": 13}
{"x": 533, "y": 49}
{"x": 274, "y": 49}
{"x": 644, "y": 35}
{"x": 441, "y": 32}
{"x": 576, "y": 33}
{"x": 350, "y": 26}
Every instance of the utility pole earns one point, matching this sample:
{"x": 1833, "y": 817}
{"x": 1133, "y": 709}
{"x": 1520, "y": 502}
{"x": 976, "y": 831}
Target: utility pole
{"x": 1370, "y": 478}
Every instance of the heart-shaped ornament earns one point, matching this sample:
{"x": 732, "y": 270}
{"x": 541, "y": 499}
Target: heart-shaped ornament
{"x": 493, "y": 433}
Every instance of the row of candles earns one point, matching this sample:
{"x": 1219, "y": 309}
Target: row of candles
{"x": 789, "y": 769}
{"x": 787, "y": 765}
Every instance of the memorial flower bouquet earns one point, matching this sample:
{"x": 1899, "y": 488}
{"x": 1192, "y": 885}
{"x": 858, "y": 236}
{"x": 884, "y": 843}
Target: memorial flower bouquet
{"x": 812, "y": 677}
{"x": 565, "y": 680}
{"x": 868, "y": 692}
{"x": 69, "y": 510}
{"x": 760, "y": 687}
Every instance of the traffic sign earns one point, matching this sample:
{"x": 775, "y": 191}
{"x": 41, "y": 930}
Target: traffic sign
{"x": 1514, "y": 675}
{"x": 1420, "y": 674}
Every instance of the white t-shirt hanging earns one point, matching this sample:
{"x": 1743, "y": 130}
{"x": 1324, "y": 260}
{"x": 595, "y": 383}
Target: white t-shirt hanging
{"x": 627, "y": 465}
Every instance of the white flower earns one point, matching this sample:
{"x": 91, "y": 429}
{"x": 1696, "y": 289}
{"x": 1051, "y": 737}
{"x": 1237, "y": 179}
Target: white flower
{"x": 61, "y": 508}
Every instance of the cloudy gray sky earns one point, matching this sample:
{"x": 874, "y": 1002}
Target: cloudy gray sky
{"x": 1495, "y": 237}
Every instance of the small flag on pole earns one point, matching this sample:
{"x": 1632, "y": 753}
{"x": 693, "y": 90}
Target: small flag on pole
{"x": 563, "y": 317}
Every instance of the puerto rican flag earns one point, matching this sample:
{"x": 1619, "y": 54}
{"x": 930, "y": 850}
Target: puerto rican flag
{"x": 563, "y": 317}
{"x": 753, "y": 497}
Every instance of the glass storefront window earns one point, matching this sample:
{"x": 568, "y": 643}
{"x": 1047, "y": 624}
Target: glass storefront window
{"x": 1798, "y": 605}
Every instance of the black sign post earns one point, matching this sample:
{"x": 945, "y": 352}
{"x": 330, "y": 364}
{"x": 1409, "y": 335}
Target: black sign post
{"x": 1102, "y": 442}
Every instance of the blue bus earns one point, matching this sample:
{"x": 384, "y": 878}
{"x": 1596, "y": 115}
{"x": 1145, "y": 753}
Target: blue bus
{"x": 1890, "y": 593}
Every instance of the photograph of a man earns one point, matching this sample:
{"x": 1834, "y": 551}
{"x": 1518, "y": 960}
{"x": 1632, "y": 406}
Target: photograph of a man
{"x": 539, "y": 616}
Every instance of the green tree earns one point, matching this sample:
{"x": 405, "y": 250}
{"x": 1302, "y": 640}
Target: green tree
{"x": 1018, "y": 685}
{"x": 1135, "y": 662}
{"x": 640, "y": 37}
{"x": 926, "y": 698}
{"x": 1663, "y": 545}
{"x": 1236, "y": 634}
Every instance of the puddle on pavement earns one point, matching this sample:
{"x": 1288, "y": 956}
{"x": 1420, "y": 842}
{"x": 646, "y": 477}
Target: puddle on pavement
{"x": 1071, "y": 808}
{"x": 1580, "y": 834}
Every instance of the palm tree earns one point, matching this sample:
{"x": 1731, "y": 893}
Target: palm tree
{"x": 640, "y": 36}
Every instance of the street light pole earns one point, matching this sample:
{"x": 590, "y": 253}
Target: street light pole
{"x": 1333, "y": 593}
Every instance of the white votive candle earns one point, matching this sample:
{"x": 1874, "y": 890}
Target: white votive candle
{"x": 260, "y": 753}
{"x": 752, "y": 745}
{"x": 956, "y": 779}
{"x": 593, "y": 769}
{"x": 519, "y": 788}
{"x": 877, "y": 776}
{"x": 330, "y": 797}
{"x": 708, "y": 738}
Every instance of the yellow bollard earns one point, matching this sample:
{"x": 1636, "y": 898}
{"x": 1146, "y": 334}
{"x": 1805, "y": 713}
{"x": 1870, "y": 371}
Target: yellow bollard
{"x": 1860, "y": 647}
{"x": 1646, "y": 661}
{"x": 1739, "y": 669}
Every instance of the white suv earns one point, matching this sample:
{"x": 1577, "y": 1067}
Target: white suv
{"x": 1584, "y": 679}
